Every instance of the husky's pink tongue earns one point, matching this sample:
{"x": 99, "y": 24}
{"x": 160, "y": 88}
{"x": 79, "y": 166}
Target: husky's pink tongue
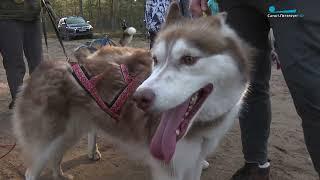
{"x": 163, "y": 143}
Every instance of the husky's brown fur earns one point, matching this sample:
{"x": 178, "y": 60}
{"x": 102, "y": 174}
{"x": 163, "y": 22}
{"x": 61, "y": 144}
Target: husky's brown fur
{"x": 52, "y": 105}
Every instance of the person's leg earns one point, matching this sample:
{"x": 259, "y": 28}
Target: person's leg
{"x": 32, "y": 44}
{"x": 152, "y": 36}
{"x": 303, "y": 80}
{"x": 255, "y": 116}
{"x": 11, "y": 49}
{"x": 184, "y": 5}
{"x": 299, "y": 52}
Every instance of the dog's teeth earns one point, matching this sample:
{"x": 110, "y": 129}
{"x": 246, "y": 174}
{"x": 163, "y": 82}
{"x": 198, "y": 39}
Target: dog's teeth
{"x": 192, "y": 102}
{"x": 194, "y": 99}
{"x": 177, "y": 132}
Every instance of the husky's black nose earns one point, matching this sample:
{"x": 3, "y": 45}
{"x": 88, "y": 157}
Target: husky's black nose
{"x": 144, "y": 98}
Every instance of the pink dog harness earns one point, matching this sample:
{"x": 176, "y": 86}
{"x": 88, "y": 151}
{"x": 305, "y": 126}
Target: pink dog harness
{"x": 89, "y": 84}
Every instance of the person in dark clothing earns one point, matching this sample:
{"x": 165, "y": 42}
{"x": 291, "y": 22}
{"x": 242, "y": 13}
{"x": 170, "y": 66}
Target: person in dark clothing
{"x": 296, "y": 27}
{"x": 124, "y": 25}
{"x": 20, "y": 34}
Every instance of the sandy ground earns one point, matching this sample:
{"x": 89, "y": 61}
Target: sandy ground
{"x": 290, "y": 160}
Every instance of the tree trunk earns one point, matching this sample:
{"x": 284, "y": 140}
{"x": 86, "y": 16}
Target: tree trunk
{"x": 80, "y": 8}
{"x": 98, "y": 18}
{"x": 114, "y": 15}
{"x": 74, "y": 7}
{"x": 90, "y": 9}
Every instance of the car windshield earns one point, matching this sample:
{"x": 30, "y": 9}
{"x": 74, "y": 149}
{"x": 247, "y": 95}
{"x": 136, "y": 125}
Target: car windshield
{"x": 75, "y": 20}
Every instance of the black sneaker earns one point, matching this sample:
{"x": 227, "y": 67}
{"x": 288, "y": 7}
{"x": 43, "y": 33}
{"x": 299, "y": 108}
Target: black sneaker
{"x": 253, "y": 171}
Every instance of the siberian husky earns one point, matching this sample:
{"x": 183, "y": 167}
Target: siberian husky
{"x": 197, "y": 79}
{"x": 53, "y": 111}
{"x": 200, "y": 75}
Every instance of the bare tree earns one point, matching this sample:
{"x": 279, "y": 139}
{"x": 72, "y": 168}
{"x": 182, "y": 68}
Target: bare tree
{"x": 105, "y": 15}
{"x": 114, "y": 14}
{"x": 90, "y": 9}
{"x": 80, "y": 8}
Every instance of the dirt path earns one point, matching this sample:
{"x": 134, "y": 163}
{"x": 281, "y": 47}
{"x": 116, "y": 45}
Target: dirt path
{"x": 290, "y": 160}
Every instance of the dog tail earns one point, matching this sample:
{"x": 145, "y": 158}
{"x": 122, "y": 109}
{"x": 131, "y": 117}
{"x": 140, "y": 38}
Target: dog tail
{"x": 127, "y": 36}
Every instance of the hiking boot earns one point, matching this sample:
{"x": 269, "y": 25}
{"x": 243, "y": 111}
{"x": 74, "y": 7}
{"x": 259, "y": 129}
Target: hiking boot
{"x": 253, "y": 171}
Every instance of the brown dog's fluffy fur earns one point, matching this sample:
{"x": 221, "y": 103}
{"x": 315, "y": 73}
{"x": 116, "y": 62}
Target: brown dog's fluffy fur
{"x": 53, "y": 111}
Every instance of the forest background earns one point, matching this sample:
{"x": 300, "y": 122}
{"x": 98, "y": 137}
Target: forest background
{"x": 104, "y": 15}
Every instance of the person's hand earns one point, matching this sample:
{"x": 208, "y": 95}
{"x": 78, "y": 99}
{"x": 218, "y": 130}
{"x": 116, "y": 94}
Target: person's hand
{"x": 197, "y": 7}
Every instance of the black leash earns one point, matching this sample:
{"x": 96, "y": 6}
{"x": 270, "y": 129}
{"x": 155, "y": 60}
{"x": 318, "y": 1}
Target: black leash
{"x": 44, "y": 29}
{"x": 5, "y": 146}
{"x": 52, "y": 17}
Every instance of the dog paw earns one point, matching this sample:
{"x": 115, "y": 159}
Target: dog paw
{"x": 64, "y": 177}
{"x": 205, "y": 164}
{"x": 29, "y": 176}
{"x": 95, "y": 156}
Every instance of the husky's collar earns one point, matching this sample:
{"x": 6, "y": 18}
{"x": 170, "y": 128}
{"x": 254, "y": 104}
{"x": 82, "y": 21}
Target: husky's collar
{"x": 89, "y": 84}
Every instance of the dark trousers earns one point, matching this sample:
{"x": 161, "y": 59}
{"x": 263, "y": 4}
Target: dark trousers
{"x": 18, "y": 38}
{"x": 298, "y": 46}
{"x": 152, "y": 36}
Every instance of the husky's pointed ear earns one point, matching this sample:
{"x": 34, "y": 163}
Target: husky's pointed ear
{"x": 174, "y": 13}
{"x": 139, "y": 61}
{"x": 223, "y": 17}
{"x": 81, "y": 53}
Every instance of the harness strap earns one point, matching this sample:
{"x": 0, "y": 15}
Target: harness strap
{"x": 90, "y": 86}
{"x": 132, "y": 85}
{"x": 125, "y": 73}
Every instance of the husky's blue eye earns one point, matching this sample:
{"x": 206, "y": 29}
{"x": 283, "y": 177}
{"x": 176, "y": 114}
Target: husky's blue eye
{"x": 188, "y": 60}
{"x": 155, "y": 60}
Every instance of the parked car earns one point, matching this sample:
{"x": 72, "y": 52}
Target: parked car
{"x": 74, "y": 26}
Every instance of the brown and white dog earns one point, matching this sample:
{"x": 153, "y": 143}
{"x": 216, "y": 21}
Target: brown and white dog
{"x": 53, "y": 111}
{"x": 192, "y": 94}
{"x": 199, "y": 77}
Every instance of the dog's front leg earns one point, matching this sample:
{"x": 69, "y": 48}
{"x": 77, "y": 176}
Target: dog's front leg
{"x": 195, "y": 172}
{"x": 161, "y": 171}
{"x": 93, "y": 151}
{"x": 165, "y": 176}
